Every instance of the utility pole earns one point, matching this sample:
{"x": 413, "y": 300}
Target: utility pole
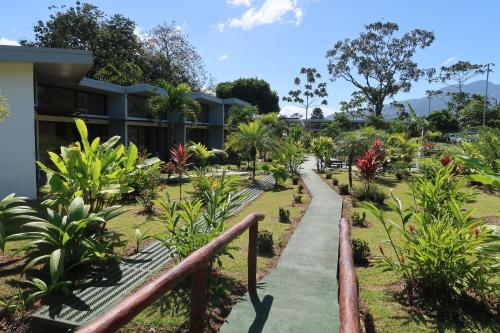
{"x": 486, "y": 94}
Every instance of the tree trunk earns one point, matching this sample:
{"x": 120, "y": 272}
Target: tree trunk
{"x": 180, "y": 186}
{"x": 350, "y": 173}
{"x": 378, "y": 108}
{"x": 254, "y": 164}
{"x": 158, "y": 141}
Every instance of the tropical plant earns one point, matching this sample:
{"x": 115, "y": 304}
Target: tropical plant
{"x": 93, "y": 171}
{"x": 358, "y": 220}
{"x": 297, "y": 198}
{"x": 241, "y": 114}
{"x": 291, "y": 155}
{"x": 486, "y": 148}
{"x": 12, "y": 208}
{"x": 322, "y": 148}
{"x": 203, "y": 154}
{"x": 360, "y": 251}
{"x": 433, "y": 192}
{"x": 265, "y": 243}
{"x": 139, "y": 237}
{"x": 173, "y": 105}
{"x": 441, "y": 256}
{"x": 350, "y": 145}
{"x": 63, "y": 242}
{"x": 251, "y": 138}
{"x": 280, "y": 173}
{"x": 371, "y": 193}
{"x": 369, "y": 166}
{"x": 482, "y": 173}
{"x": 189, "y": 226}
{"x": 145, "y": 181}
{"x": 284, "y": 215}
{"x": 180, "y": 157}
{"x": 344, "y": 189}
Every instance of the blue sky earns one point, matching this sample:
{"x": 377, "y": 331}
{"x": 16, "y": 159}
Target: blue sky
{"x": 273, "y": 39}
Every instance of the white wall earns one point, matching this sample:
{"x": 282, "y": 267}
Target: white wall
{"x": 17, "y": 133}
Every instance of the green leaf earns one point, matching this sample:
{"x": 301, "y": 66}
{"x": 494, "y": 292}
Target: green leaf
{"x": 56, "y": 265}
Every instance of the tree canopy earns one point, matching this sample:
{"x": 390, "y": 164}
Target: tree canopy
{"x": 317, "y": 113}
{"x": 252, "y": 90}
{"x": 310, "y": 92}
{"x": 120, "y": 55}
{"x": 378, "y": 63}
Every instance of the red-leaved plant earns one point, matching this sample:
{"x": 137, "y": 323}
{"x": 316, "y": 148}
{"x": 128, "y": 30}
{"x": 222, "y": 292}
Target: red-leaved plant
{"x": 180, "y": 158}
{"x": 368, "y": 165}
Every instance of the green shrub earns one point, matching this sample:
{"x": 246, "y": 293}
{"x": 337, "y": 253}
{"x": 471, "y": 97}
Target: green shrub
{"x": 344, "y": 189}
{"x": 62, "y": 243}
{"x": 265, "y": 243}
{"x": 202, "y": 183}
{"x": 297, "y": 198}
{"x": 295, "y": 180}
{"x": 360, "y": 252}
{"x": 335, "y": 182}
{"x": 300, "y": 189}
{"x": 145, "y": 181}
{"x": 12, "y": 208}
{"x": 446, "y": 253}
{"x": 96, "y": 172}
{"x": 369, "y": 193}
{"x": 284, "y": 215}
{"x": 358, "y": 220}
{"x": 328, "y": 175}
{"x": 280, "y": 173}
{"x": 183, "y": 232}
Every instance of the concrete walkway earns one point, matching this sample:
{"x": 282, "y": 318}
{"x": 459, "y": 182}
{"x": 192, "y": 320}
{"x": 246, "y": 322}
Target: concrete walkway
{"x": 300, "y": 294}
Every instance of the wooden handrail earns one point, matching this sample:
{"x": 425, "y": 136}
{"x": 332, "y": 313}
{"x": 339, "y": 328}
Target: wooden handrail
{"x": 348, "y": 282}
{"x": 194, "y": 265}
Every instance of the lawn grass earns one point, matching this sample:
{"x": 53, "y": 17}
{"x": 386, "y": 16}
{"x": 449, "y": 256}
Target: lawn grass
{"x": 165, "y": 317}
{"x": 379, "y": 290}
{"x": 124, "y": 225}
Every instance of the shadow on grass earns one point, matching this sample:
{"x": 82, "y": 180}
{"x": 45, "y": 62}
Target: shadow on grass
{"x": 463, "y": 314}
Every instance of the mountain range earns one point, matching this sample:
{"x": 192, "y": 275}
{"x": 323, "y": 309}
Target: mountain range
{"x": 421, "y": 105}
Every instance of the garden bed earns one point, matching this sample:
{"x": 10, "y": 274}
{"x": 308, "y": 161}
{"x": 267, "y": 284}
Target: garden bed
{"x": 385, "y": 305}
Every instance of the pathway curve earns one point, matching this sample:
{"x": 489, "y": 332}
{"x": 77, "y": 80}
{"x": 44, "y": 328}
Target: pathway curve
{"x": 300, "y": 294}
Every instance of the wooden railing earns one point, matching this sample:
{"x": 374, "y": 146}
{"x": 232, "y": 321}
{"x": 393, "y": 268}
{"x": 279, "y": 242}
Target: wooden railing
{"x": 194, "y": 265}
{"x": 348, "y": 282}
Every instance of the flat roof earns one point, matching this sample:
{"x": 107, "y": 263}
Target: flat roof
{"x": 45, "y": 55}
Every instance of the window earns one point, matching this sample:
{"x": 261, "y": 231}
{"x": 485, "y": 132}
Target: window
{"x": 137, "y": 106}
{"x": 58, "y": 101}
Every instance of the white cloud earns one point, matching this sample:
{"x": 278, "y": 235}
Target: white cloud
{"x": 223, "y": 57}
{"x": 6, "y": 41}
{"x": 245, "y": 3}
{"x": 139, "y": 32}
{"x": 271, "y": 11}
{"x": 449, "y": 61}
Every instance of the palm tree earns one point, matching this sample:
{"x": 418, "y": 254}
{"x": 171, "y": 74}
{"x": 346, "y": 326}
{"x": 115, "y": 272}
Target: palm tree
{"x": 251, "y": 138}
{"x": 203, "y": 154}
{"x": 174, "y": 105}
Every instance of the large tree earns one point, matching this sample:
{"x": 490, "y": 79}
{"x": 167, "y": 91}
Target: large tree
{"x": 456, "y": 76}
{"x": 472, "y": 114}
{"x": 252, "y": 90}
{"x": 378, "y": 63}
{"x": 111, "y": 39}
{"x": 317, "y": 113}
{"x": 310, "y": 92}
{"x": 120, "y": 55}
{"x": 170, "y": 56}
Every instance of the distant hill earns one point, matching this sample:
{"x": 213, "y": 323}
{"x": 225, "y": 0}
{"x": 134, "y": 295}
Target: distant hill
{"x": 421, "y": 105}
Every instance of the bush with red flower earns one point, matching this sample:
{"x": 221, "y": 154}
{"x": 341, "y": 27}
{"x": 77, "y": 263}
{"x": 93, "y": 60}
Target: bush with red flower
{"x": 179, "y": 162}
{"x": 443, "y": 252}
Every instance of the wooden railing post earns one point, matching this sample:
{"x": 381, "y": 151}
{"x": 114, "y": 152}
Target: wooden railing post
{"x": 252, "y": 258}
{"x": 198, "y": 298}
